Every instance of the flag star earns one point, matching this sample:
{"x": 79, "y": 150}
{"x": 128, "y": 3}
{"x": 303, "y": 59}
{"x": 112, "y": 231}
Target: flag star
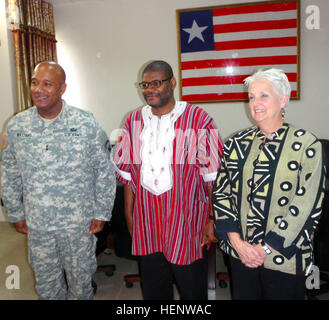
{"x": 195, "y": 31}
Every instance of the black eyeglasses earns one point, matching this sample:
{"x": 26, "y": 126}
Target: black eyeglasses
{"x": 153, "y": 84}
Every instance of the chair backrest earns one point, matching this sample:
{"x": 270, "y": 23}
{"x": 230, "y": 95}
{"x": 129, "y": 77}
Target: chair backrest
{"x": 325, "y": 151}
{"x": 321, "y": 236}
{"x": 324, "y": 221}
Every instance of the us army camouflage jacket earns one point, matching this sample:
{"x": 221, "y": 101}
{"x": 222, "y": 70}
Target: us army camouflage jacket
{"x": 57, "y": 175}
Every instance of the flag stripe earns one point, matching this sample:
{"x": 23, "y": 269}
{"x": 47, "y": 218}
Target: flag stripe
{"x": 235, "y": 70}
{"x": 266, "y": 16}
{"x": 258, "y": 34}
{"x": 250, "y": 61}
{"x": 245, "y": 53}
{"x": 235, "y": 79}
{"x": 256, "y": 25}
{"x": 222, "y": 88}
{"x": 221, "y": 97}
{"x": 204, "y": 81}
{"x": 256, "y": 43}
{"x": 255, "y": 8}
{"x": 216, "y": 96}
{"x": 218, "y": 89}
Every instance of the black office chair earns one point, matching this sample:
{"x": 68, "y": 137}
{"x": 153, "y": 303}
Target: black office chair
{"x": 122, "y": 238}
{"x": 321, "y": 235}
{"x": 223, "y": 277}
{"x": 105, "y": 241}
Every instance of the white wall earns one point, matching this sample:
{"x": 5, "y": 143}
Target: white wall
{"x": 104, "y": 43}
{"x": 7, "y": 77}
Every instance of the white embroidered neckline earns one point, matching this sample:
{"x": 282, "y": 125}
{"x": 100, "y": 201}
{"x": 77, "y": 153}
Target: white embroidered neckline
{"x": 157, "y": 148}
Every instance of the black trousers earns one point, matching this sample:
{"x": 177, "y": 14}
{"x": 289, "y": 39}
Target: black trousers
{"x": 264, "y": 284}
{"x": 157, "y": 276}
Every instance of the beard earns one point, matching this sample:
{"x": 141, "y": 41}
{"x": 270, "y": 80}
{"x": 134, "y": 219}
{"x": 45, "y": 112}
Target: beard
{"x": 158, "y": 100}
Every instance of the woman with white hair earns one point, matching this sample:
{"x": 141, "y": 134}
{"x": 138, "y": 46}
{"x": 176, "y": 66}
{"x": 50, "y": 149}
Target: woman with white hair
{"x": 267, "y": 196}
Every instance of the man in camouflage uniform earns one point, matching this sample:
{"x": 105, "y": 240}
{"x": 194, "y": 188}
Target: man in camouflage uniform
{"x": 58, "y": 186}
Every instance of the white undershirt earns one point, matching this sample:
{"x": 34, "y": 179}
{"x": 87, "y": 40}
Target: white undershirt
{"x": 49, "y": 121}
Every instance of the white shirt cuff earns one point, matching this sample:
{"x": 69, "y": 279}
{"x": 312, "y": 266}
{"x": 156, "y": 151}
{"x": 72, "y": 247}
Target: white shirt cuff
{"x": 124, "y": 174}
{"x": 209, "y": 176}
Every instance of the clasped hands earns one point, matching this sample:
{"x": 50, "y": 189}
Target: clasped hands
{"x": 252, "y": 256}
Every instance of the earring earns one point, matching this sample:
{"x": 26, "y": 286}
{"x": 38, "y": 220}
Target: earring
{"x": 283, "y": 112}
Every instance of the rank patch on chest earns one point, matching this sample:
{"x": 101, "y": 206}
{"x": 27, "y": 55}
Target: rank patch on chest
{"x": 73, "y": 133}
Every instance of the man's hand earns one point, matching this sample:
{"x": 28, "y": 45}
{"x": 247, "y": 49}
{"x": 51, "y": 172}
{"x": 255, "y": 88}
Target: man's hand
{"x": 129, "y": 207}
{"x": 208, "y": 235}
{"x": 21, "y": 226}
{"x": 96, "y": 226}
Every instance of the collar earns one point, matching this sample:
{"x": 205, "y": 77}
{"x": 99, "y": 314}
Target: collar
{"x": 59, "y": 116}
{"x": 39, "y": 121}
{"x": 273, "y": 135}
{"x": 173, "y": 115}
{"x": 157, "y": 149}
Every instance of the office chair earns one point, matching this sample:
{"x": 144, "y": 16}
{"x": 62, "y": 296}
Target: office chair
{"x": 223, "y": 277}
{"x": 321, "y": 235}
{"x": 122, "y": 238}
{"x": 105, "y": 241}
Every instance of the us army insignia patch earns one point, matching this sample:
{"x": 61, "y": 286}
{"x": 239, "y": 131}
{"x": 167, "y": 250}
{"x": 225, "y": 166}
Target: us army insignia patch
{"x": 3, "y": 141}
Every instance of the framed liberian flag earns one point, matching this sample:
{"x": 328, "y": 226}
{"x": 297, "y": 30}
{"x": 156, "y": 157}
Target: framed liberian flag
{"x": 220, "y": 46}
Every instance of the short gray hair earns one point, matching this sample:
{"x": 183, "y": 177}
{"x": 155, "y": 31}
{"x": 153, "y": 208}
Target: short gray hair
{"x": 276, "y": 76}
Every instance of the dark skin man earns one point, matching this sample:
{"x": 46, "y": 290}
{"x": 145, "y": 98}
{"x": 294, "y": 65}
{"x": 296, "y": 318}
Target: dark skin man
{"x": 47, "y": 87}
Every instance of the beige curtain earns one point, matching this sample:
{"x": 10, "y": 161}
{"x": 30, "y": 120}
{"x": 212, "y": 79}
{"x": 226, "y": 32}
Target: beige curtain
{"x": 33, "y": 31}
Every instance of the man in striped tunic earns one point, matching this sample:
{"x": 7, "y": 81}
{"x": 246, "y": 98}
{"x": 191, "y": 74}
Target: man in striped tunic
{"x": 168, "y": 157}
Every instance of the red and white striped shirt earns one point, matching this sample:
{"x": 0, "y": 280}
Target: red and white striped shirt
{"x": 172, "y": 222}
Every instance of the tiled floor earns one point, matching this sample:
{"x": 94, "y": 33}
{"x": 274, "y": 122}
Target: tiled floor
{"x": 13, "y": 251}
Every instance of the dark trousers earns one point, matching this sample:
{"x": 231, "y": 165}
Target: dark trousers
{"x": 157, "y": 276}
{"x": 264, "y": 284}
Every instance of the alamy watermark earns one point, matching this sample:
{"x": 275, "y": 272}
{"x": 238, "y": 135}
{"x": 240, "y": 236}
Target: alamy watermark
{"x": 13, "y": 279}
{"x": 312, "y": 21}
{"x": 313, "y": 279}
